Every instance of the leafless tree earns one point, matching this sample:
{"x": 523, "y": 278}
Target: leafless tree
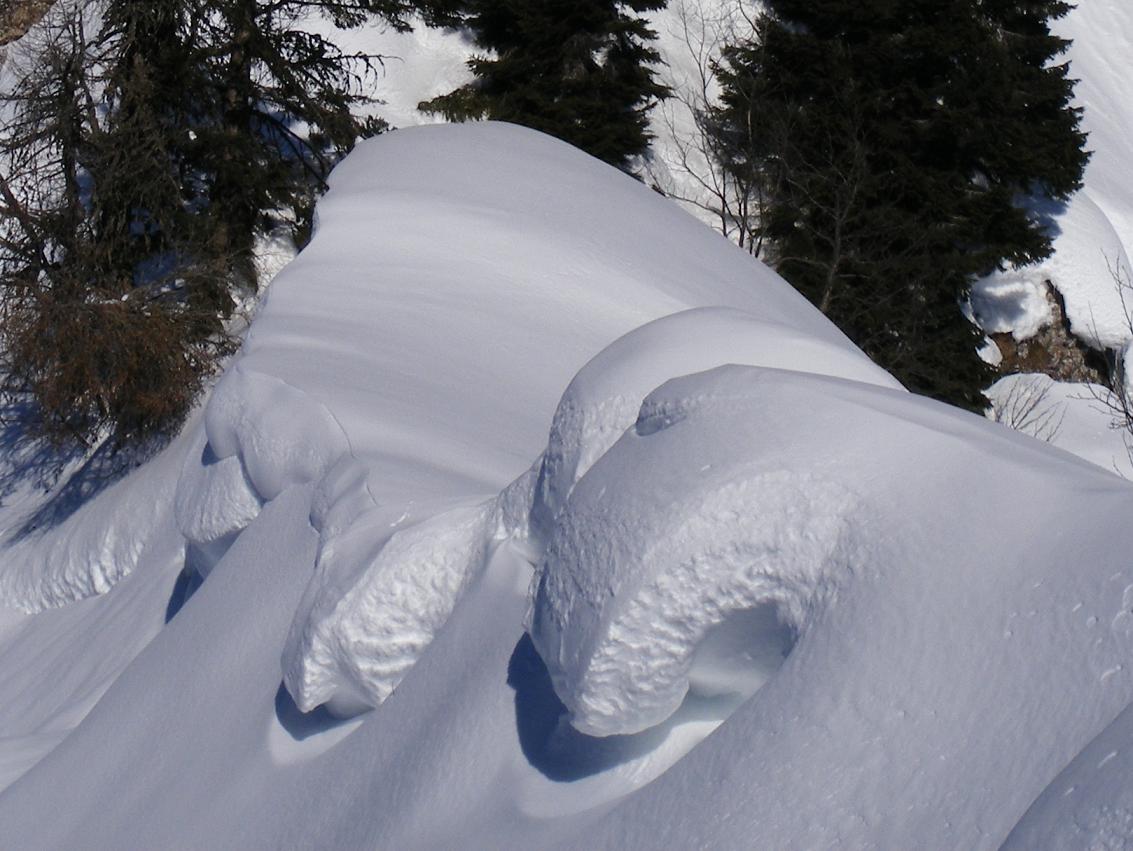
{"x": 688, "y": 165}
{"x": 1028, "y": 408}
{"x": 1116, "y": 400}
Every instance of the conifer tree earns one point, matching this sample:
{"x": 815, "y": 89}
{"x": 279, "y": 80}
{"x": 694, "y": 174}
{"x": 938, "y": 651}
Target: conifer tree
{"x": 901, "y": 147}
{"x": 580, "y": 70}
{"x": 141, "y": 152}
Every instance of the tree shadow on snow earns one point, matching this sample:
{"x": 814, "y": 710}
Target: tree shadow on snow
{"x": 1046, "y": 211}
{"x": 68, "y": 478}
{"x": 555, "y": 748}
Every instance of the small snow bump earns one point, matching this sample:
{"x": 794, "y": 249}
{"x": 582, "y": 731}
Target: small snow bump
{"x": 349, "y": 647}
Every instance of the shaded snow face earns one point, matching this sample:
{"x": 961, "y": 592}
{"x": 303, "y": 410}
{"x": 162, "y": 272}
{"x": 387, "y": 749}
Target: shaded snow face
{"x": 742, "y": 652}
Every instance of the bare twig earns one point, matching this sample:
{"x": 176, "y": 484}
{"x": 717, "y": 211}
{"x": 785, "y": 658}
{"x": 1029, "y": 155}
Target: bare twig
{"x": 1027, "y": 408}
{"x": 690, "y": 168}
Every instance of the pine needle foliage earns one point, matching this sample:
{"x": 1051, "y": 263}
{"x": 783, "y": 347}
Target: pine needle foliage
{"x": 904, "y": 148}
{"x": 142, "y": 150}
{"x": 581, "y": 70}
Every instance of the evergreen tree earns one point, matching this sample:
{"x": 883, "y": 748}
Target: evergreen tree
{"x": 89, "y": 336}
{"x": 253, "y": 108}
{"x": 576, "y": 69}
{"x": 900, "y": 147}
{"x": 142, "y": 151}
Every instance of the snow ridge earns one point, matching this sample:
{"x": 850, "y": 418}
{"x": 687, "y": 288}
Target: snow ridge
{"x": 603, "y": 400}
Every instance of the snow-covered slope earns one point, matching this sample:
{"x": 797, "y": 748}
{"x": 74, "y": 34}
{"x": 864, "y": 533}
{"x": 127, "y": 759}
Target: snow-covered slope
{"x": 1094, "y": 231}
{"x": 772, "y": 599}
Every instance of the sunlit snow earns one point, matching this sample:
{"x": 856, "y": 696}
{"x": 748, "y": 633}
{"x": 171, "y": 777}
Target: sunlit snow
{"x": 534, "y": 514}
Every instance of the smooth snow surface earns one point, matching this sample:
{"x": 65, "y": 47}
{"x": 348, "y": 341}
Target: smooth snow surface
{"x": 773, "y": 599}
{"x": 1090, "y": 804}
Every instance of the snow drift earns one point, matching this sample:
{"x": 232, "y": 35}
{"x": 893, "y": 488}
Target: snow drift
{"x": 507, "y": 385}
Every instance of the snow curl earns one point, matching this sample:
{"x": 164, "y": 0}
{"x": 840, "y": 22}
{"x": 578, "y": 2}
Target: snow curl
{"x": 682, "y": 560}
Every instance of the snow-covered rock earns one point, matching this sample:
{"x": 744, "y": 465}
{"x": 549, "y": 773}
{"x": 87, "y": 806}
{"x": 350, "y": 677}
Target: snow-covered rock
{"x": 1093, "y": 232}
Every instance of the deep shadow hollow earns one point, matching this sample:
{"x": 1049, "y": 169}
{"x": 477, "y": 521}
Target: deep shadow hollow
{"x": 560, "y": 752}
{"x": 302, "y": 725}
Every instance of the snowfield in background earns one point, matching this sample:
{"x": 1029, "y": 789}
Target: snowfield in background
{"x": 534, "y": 514}
{"x": 1094, "y": 231}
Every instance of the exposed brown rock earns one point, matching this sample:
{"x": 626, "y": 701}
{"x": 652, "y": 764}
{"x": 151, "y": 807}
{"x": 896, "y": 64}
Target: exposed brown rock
{"x": 1054, "y": 351}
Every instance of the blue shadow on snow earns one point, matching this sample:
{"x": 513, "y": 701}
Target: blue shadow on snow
{"x": 302, "y": 725}
{"x": 551, "y": 745}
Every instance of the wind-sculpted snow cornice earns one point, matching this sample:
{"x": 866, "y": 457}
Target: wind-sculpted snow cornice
{"x": 381, "y": 593}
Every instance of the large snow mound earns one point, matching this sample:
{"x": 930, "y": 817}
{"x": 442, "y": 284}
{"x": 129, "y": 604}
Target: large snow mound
{"x": 393, "y": 560}
{"x": 770, "y": 594}
{"x": 350, "y": 648}
{"x": 787, "y": 499}
{"x": 724, "y": 498}
{"x": 389, "y": 576}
